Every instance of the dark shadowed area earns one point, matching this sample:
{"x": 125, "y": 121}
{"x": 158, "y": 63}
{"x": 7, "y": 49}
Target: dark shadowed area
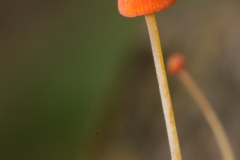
{"x": 78, "y": 80}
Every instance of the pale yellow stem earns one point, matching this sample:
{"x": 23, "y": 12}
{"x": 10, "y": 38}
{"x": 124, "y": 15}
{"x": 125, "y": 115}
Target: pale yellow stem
{"x": 209, "y": 114}
{"x": 163, "y": 87}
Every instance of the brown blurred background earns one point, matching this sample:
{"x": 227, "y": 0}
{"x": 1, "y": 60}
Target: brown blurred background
{"x": 78, "y": 80}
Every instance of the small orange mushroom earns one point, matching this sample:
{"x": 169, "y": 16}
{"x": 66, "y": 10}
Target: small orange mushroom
{"x": 175, "y": 63}
{"x": 133, "y": 8}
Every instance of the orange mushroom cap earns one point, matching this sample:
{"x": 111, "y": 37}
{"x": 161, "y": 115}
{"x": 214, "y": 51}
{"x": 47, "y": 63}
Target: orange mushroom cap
{"x": 133, "y": 8}
{"x": 175, "y": 63}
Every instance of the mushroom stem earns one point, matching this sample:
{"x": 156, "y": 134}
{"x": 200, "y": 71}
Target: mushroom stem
{"x": 209, "y": 114}
{"x": 163, "y": 87}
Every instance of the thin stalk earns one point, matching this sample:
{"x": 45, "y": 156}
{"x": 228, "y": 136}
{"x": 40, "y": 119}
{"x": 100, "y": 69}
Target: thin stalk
{"x": 163, "y": 87}
{"x": 209, "y": 114}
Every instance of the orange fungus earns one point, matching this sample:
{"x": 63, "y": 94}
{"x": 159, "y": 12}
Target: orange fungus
{"x": 175, "y": 63}
{"x": 133, "y": 8}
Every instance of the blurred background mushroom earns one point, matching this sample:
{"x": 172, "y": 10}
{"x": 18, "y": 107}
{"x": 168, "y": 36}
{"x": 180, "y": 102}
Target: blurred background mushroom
{"x": 78, "y": 80}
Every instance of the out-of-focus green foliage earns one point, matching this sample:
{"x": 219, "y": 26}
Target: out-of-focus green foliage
{"x": 56, "y": 76}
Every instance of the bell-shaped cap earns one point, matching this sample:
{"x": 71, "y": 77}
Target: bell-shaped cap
{"x": 175, "y": 63}
{"x": 133, "y": 8}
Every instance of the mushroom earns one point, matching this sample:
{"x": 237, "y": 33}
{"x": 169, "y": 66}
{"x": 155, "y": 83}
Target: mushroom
{"x": 133, "y": 8}
{"x": 176, "y": 66}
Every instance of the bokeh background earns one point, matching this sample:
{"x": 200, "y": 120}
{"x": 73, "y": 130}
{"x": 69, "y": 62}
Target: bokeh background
{"x": 77, "y": 80}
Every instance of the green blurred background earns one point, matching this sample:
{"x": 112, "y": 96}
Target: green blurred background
{"x": 78, "y": 81}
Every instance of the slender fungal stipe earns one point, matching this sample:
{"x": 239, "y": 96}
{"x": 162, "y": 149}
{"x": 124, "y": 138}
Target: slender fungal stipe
{"x": 175, "y": 65}
{"x": 132, "y": 8}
